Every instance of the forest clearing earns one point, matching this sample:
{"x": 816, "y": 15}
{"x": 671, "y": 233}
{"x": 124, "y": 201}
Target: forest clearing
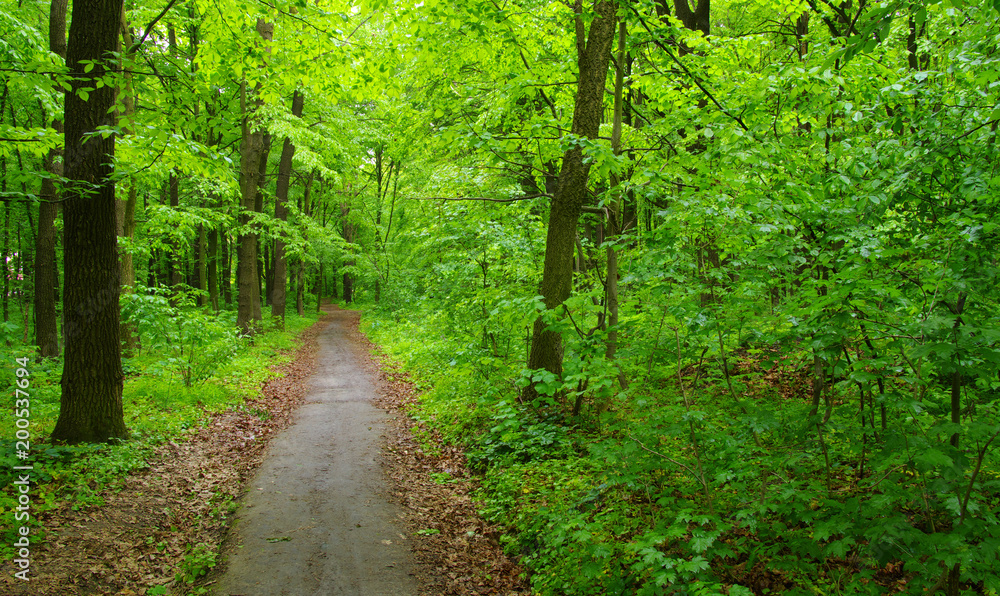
{"x": 666, "y": 296}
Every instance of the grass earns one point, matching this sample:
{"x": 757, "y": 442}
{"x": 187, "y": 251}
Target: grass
{"x": 159, "y": 407}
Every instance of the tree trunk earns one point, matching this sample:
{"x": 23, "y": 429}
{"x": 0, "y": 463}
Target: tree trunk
{"x": 593, "y": 57}
{"x": 91, "y": 403}
{"x": 226, "y": 254}
{"x": 126, "y": 209}
{"x": 281, "y": 214}
{"x": 251, "y": 148}
{"x": 319, "y": 287}
{"x": 348, "y": 235}
{"x": 212, "y": 269}
{"x": 263, "y": 264}
{"x": 46, "y": 328}
{"x": 202, "y": 265}
{"x": 300, "y": 288}
{"x": 614, "y": 211}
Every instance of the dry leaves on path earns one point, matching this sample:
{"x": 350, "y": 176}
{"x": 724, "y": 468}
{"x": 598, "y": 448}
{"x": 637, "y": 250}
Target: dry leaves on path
{"x": 459, "y": 553}
{"x": 140, "y": 536}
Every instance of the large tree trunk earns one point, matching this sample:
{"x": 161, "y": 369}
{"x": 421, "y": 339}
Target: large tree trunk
{"x": 91, "y": 402}
{"x": 593, "y": 57}
{"x": 46, "y": 328}
{"x": 251, "y": 148}
{"x": 281, "y": 213}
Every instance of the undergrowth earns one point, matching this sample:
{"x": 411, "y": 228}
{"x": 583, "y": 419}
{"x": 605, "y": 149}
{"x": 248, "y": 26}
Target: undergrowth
{"x": 190, "y": 366}
{"x": 675, "y": 487}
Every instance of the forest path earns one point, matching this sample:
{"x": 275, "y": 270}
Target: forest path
{"x": 315, "y": 519}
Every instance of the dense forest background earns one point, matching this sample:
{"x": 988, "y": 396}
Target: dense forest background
{"x": 708, "y": 292}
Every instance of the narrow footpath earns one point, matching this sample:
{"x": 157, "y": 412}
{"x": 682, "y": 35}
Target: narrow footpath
{"x": 315, "y": 520}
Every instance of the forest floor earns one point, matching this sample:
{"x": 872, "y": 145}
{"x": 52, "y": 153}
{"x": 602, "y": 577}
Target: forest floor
{"x": 341, "y": 493}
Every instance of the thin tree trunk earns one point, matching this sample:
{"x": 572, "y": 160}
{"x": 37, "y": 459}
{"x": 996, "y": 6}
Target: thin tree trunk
{"x": 212, "y": 270}
{"x": 126, "y": 209}
{"x": 348, "y": 234}
{"x": 593, "y": 57}
{"x": 614, "y": 211}
{"x": 263, "y": 264}
{"x": 300, "y": 288}
{"x": 46, "y": 327}
{"x": 319, "y": 287}
{"x": 226, "y": 254}
{"x": 202, "y": 265}
{"x": 281, "y": 213}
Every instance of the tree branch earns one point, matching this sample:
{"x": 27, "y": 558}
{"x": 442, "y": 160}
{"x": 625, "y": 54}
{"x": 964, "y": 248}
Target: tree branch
{"x": 149, "y": 28}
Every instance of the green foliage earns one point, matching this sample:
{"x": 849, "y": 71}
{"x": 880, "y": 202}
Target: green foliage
{"x": 196, "y": 344}
{"x": 159, "y": 407}
{"x": 199, "y": 560}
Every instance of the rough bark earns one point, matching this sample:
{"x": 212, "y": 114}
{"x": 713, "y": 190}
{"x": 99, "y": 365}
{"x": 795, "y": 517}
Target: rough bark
{"x": 251, "y": 148}
{"x": 281, "y": 213}
{"x": 91, "y": 402}
{"x": 593, "y": 57}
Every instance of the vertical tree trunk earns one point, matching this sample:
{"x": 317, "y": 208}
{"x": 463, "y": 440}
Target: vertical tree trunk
{"x": 212, "y": 269}
{"x": 281, "y": 214}
{"x": 593, "y": 57}
{"x": 263, "y": 264}
{"x": 174, "y": 258}
{"x": 202, "y": 265}
{"x": 46, "y": 328}
{"x": 300, "y": 288}
{"x": 91, "y": 402}
{"x": 347, "y": 232}
{"x": 126, "y": 209}
{"x": 226, "y": 254}
{"x": 319, "y": 286}
{"x": 251, "y": 148}
{"x": 614, "y": 210}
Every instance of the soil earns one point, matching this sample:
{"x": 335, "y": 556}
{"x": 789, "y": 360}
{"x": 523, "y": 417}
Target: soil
{"x": 336, "y": 497}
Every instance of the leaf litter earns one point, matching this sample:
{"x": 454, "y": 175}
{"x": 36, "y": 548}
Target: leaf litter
{"x": 139, "y": 537}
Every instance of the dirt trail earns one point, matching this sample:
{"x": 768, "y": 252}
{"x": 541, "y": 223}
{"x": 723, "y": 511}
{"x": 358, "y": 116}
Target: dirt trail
{"x": 315, "y": 520}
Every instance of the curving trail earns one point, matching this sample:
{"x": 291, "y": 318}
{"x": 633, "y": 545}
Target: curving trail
{"x": 314, "y": 520}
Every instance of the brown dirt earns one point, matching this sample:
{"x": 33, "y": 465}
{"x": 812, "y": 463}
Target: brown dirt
{"x": 140, "y": 537}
